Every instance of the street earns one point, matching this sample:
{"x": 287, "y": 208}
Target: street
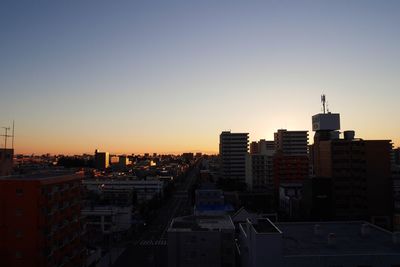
{"x": 150, "y": 249}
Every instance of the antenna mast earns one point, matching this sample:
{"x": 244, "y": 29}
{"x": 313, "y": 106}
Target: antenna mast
{"x": 6, "y": 135}
{"x": 323, "y": 100}
{"x": 12, "y": 140}
{"x": 6, "y": 129}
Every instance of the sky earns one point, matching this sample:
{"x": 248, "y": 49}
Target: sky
{"x": 169, "y": 76}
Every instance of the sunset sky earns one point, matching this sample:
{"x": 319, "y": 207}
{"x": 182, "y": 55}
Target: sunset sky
{"x": 169, "y": 76}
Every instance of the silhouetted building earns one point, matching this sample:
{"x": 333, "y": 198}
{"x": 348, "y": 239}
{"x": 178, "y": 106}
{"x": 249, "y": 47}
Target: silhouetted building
{"x": 289, "y": 169}
{"x": 202, "y": 241}
{"x": 211, "y": 202}
{"x": 101, "y": 160}
{"x": 116, "y": 220}
{"x": 317, "y": 200}
{"x": 261, "y": 166}
{"x": 291, "y": 143}
{"x": 304, "y": 244}
{"x": 396, "y": 196}
{"x": 6, "y": 161}
{"x": 396, "y": 156}
{"x": 361, "y": 177}
{"x": 145, "y": 190}
{"x": 360, "y": 171}
{"x": 233, "y": 151}
{"x": 254, "y": 149}
{"x": 291, "y": 162}
{"x": 188, "y": 156}
{"x": 124, "y": 161}
{"x": 40, "y": 222}
{"x": 290, "y": 195}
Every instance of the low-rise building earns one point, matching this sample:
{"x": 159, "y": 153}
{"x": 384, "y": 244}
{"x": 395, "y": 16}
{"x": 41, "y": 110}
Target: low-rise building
{"x": 201, "y": 241}
{"x": 145, "y": 189}
{"x": 346, "y": 244}
{"x": 108, "y": 219}
{"x": 290, "y": 195}
{"x": 6, "y": 161}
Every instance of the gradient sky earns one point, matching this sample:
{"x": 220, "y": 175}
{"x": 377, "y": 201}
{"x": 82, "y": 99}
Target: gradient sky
{"x": 169, "y": 76}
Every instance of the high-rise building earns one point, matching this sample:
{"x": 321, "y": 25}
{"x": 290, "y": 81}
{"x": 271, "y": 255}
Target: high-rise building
{"x": 101, "y": 160}
{"x": 291, "y": 143}
{"x": 261, "y": 177}
{"x": 254, "y": 147}
{"x": 6, "y": 161}
{"x": 361, "y": 177}
{"x": 40, "y": 222}
{"x": 396, "y": 156}
{"x": 233, "y": 151}
{"x": 291, "y": 162}
{"x": 359, "y": 170}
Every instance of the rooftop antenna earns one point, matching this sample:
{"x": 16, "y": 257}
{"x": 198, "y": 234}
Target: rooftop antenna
{"x": 323, "y": 100}
{"x": 6, "y": 129}
{"x": 6, "y": 135}
{"x": 12, "y": 140}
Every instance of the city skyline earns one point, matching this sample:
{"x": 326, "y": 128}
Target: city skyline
{"x": 169, "y": 77}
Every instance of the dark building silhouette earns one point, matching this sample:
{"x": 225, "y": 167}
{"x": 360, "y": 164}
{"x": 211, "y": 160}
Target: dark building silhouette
{"x": 359, "y": 171}
{"x": 317, "y": 201}
{"x": 254, "y": 148}
{"x": 6, "y": 161}
{"x": 361, "y": 177}
{"x": 101, "y": 160}
{"x": 396, "y": 156}
{"x": 40, "y": 221}
{"x": 291, "y": 162}
{"x": 233, "y": 151}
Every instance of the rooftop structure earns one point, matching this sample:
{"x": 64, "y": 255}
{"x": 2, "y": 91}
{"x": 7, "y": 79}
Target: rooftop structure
{"x": 352, "y": 243}
{"x": 201, "y": 241}
{"x": 354, "y": 237}
{"x": 201, "y": 223}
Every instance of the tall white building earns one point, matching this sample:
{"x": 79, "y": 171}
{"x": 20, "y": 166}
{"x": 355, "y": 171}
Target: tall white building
{"x": 233, "y": 150}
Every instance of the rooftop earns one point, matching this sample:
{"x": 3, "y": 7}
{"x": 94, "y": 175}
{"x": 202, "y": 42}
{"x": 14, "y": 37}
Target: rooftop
{"x": 265, "y": 226}
{"x": 216, "y": 207}
{"x": 300, "y": 239}
{"x": 201, "y": 223}
{"x": 42, "y": 175}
